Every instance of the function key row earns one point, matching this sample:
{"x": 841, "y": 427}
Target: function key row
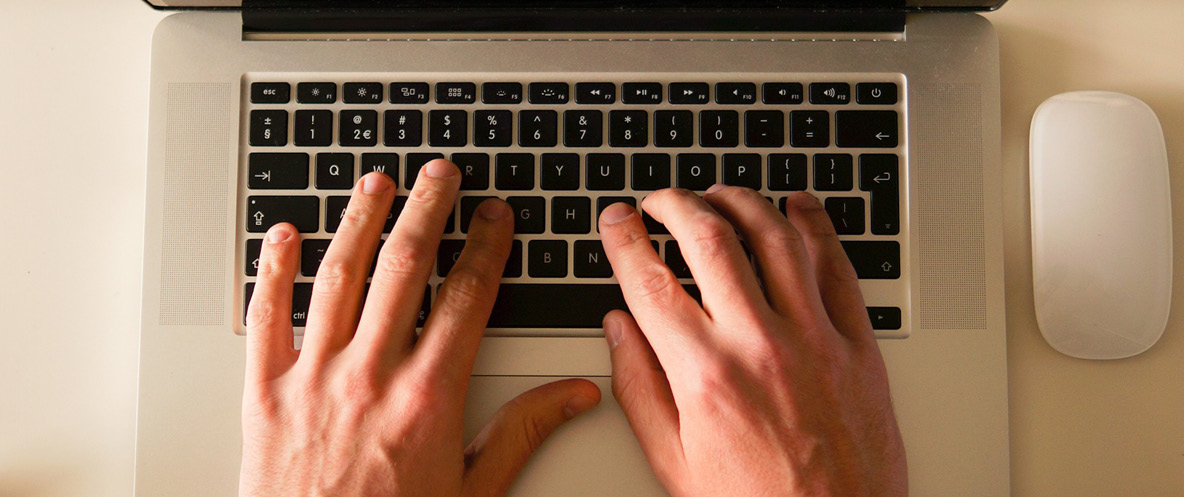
{"x": 689, "y": 93}
{"x": 581, "y": 128}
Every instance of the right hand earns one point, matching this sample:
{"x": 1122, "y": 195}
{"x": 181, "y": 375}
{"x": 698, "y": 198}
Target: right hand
{"x": 771, "y": 391}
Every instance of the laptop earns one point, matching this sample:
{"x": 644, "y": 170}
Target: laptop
{"x": 269, "y": 110}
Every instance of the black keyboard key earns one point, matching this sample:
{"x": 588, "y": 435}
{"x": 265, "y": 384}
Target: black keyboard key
{"x": 583, "y": 128}
{"x": 560, "y": 172}
{"x": 675, "y": 261}
{"x": 263, "y": 212}
{"x": 846, "y": 214}
{"x": 866, "y": 129}
{"x": 403, "y": 128}
{"x": 590, "y": 261}
{"x": 387, "y": 164}
{"x": 409, "y": 93}
{"x": 833, "y": 172}
{"x": 830, "y": 93}
{"x": 312, "y": 252}
{"x": 530, "y": 214}
{"x": 514, "y": 172}
{"x": 513, "y": 267}
{"x": 874, "y": 260}
{"x": 652, "y": 226}
{"x": 879, "y": 174}
{"x": 447, "y": 254}
{"x": 764, "y": 128}
{"x": 884, "y": 318}
{"x": 493, "y": 128}
{"x": 313, "y": 128}
{"x": 602, "y": 203}
{"x": 674, "y": 128}
{"x": 397, "y": 209}
{"x": 548, "y": 93}
{"x": 316, "y": 93}
{"x": 552, "y": 306}
{"x": 875, "y": 93}
{"x": 696, "y": 171}
{"x": 628, "y": 128}
{"x": 362, "y": 93}
{"x": 742, "y": 170}
{"x": 334, "y": 212}
{"x": 571, "y": 215}
{"x": 277, "y": 171}
{"x": 501, "y": 93}
{"x": 787, "y": 172}
{"x": 719, "y": 128}
{"x": 415, "y": 162}
{"x": 641, "y": 93}
{"x": 301, "y": 296}
{"x": 782, "y": 93}
{"x": 735, "y": 93}
{"x": 269, "y": 128}
{"x": 596, "y": 93}
{"x": 335, "y": 171}
{"x": 605, "y": 172}
{"x": 538, "y": 128}
{"x": 809, "y": 128}
{"x": 548, "y": 259}
{"x": 468, "y": 206}
{"x": 651, "y": 171}
{"x": 254, "y": 247}
{"x": 474, "y": 170}
{"x": 690, "y": 93}
{"x": 359, "y": 128}
{"x": 456, "y": 93}
{"x": 270, "y": 93}
{"x": 448, "y": 128}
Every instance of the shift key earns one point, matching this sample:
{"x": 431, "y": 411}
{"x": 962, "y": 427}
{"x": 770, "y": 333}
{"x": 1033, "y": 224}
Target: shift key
{"x": 263, "y": 212}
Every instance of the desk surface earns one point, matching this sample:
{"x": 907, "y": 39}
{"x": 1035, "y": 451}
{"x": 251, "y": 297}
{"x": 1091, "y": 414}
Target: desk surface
{"x": 73, "y": 89}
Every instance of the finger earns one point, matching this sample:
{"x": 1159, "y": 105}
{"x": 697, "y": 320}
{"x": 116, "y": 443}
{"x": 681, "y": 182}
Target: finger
{"x": 780, "y": 252}
{"x": 405, "y": 263}
{"x": 651, "y": 291}
{"x": 448, "y": 344}
{"x": 500, "y": 450}
{"x": 838, "y": 284}
{"x": 643, "y": 392}
{"x": 712, "y": 251}
{"x": 337, "y": 290}
{"x": 269, "y": 315}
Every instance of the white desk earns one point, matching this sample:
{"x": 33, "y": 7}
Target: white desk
{"x": 73, "y": 96}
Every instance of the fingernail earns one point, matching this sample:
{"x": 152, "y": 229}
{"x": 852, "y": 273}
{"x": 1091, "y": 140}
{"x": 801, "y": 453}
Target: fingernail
{"x": 616, "y": 213}
{"x": 374, "y": 183}
{"x": 279, "y": 233}
{"x": 715, "y": 188}
{"x": 492, "y": 210}
{"x": 612, "y": 332}
{"x": 577, "y": 405}
{"x": 804, "y": 200}
{"x": 440, "y": 169}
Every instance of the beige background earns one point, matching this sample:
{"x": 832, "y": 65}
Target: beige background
{"x": 73, "y": 106}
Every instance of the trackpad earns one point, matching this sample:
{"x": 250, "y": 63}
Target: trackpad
{"x": 594, "y": 454}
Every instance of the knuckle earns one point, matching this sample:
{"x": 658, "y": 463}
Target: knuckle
{"x": 711, "y": 378}
{"x": 358, "y": 213}
{"x": 655, "y": 284}
{"x": 360, "y": 386}
{"x": 335, "y": 276}
{"x": 262, "y": 313}
{"x": 839, "y": 270}
{"x": 271, "y": 266}
{"x": 402, "y": 257}
{"x": 533, "y": 432}
{"x": 428, "y": 193}
{"x": 709, "y": 229}
{"x": 626, "y": 238}
{"x": 468, "y": 284}
{"x": 781, "y": 239}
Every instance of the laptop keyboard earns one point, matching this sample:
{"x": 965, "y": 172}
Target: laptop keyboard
{"x": 559, "y": 153}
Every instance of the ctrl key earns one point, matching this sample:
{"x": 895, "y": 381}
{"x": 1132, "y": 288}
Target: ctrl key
{"x": 301, "y": 295}
{"x": 263, "y": 212}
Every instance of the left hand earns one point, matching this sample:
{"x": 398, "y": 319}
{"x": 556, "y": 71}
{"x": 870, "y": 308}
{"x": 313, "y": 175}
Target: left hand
{"x": 364, "y": 408}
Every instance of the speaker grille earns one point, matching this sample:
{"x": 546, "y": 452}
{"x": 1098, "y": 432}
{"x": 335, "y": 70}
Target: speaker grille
{"x": 949, "y": 177}
{"x": 193, "y": 251}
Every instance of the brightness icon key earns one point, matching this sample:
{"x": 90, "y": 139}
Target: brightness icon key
{"x": 362, "y": 93}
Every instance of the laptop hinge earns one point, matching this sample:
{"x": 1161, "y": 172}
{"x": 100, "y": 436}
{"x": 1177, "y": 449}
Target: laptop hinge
{"x": 307, "y": 16}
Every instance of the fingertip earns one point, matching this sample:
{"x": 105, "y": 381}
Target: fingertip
{"x": 582, "y": 402}
{"x": 616, "y": 213}
{"x": 376, "y": 182}
{"x": 493, "y": 209}
{"x": 440, "y": 168}
{"x": 280, "y": 233}
{"x": 803, "y": 200}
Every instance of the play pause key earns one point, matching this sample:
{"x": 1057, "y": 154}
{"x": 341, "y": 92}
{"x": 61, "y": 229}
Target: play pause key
{"x": 884, "y": 318}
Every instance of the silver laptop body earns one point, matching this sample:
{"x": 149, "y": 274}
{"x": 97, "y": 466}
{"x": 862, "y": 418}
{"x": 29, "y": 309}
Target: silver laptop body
{"x": 946, "y": 359}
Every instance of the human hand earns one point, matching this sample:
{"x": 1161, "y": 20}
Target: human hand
{"x": 772, "y": 392}
{"x": 364, "y": 408}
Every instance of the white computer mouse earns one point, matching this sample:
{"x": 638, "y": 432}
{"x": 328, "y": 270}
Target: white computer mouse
{"x": 1101, "y": 225}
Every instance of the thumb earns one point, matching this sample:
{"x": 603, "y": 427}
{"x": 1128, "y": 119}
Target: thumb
{"x": 502, "y": 448}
